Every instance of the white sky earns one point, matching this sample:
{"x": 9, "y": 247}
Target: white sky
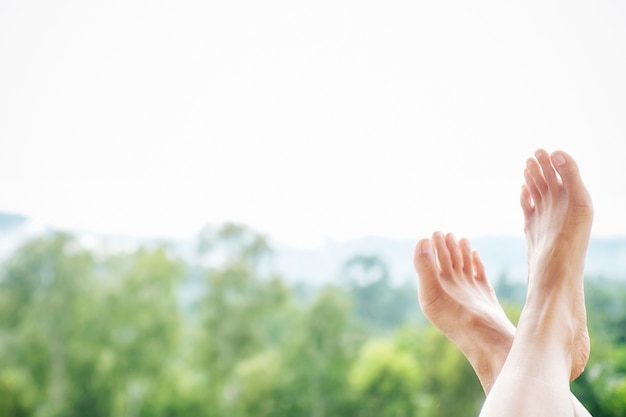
{"x": 307, "y": 120}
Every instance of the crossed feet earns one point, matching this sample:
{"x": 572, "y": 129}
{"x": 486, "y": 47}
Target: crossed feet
{"x": 456, "y": 297}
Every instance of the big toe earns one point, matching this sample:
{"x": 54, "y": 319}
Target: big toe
{"x": 424, "y": 258}
{"x": 570, "y": 176}
{"x": 426, "y": 267}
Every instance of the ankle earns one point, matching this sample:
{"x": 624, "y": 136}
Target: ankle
{"x": 488, "y": 362}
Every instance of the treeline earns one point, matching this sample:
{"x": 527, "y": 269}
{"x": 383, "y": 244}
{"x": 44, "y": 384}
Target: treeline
{"x": 90, "y": 333}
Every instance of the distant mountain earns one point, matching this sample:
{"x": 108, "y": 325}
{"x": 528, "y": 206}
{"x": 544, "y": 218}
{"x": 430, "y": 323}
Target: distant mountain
{"x": 10, "y": 221}
{"x": 15, "y": 229}
{"x": 502, "y": 256}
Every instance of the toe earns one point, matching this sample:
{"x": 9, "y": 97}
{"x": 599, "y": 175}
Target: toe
{"x": 429, "y": 286}
{"x": 443, "y": 255}
{"x": 479, "y": 268}
{"x": 547, "y": 169}
{"x": 423, "y": 257}
{"x": 466, "y": 254}
{"x": 535, "y": 195}
{"x": 526, "y": 201}
{"x": 568, "y": 171}
{"x": 455, "y": 252}
{"x": 535, "y": 172}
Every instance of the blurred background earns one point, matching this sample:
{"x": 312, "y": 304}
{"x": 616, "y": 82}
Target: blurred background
{"x": 209, "y": 208}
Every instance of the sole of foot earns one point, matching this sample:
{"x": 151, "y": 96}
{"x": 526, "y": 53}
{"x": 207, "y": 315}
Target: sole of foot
{"x": 455, "y": 295}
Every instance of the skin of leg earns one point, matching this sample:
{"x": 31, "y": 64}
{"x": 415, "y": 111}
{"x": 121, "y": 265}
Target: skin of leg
{"x": 457, "y": 298}
{"x": 551, "y": 344}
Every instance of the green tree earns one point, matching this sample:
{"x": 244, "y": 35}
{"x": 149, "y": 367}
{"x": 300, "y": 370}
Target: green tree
{"x": 140, "y": 335}
{"x": 45, "y": 290}
{"x": 84, "y": 337}
{"x": 448, "y": 383}
{"x": 601, "y": 388}
{"x": 305, "y": 373}
{"x": 385, "y": 381}
{"x": 378, "y": 303}
{"x": 319, "y": 356}
{"x": 260, "y": 386}
{"x": 237, "y": 307}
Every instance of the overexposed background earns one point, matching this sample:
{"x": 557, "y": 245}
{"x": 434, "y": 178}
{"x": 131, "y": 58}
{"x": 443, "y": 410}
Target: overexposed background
{"x": 305, "y": 120}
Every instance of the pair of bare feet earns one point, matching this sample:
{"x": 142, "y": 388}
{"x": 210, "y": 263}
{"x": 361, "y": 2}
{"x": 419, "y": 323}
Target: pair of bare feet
{"x": 456, "y": 297}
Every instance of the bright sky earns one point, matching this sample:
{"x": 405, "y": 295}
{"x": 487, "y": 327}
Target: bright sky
{"x": 306, "y": 120}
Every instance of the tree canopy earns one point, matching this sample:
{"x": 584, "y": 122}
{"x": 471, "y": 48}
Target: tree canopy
{"x": 89, "y": 333}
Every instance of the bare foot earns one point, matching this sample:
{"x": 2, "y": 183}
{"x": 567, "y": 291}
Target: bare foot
{"x": 456, "y": 297}
{"x": 558, "y": 214}
{"x": 462, "y": 304}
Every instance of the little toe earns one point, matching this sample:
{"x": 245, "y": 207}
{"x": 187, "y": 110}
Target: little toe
{"x": 526, "y": 201}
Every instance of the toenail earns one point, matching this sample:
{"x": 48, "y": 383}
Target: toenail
{"x": 426, "y": 247}
{"x": 558, "y": 160}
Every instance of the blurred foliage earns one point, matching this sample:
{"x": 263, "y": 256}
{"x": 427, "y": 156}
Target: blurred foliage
{"x": 85, "y": 333}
